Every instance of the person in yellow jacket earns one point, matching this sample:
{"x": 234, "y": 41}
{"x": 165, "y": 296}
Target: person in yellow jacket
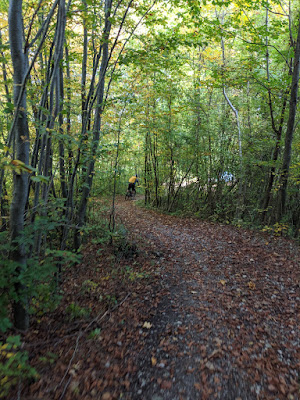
{"x": 132, "y": 182}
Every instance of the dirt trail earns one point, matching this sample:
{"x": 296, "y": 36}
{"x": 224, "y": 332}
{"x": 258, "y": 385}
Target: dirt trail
{"x": 203, "y": 311}
{"x": 226, "y": 315}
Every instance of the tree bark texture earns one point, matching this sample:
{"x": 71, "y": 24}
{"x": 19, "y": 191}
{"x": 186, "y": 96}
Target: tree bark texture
{"x": 20, "y": 136}
{"x": 81, "y": 213}
{"x": 290, "y": 130}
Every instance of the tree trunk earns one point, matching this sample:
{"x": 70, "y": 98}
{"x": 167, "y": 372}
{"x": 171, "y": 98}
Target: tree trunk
{"x": 290, "y": 130}
{"x": 112, "y": 217}
{"x": 267, "y": 196}
{"x": 278, "y": 131}
{"x": 9, "y": 100}
{"x": 52, "y": 100}
{"x": 240, "y": 200}
{"x": 4, "y": 208}
{"x": 171, "y": 160}
{"x": 21, "y": 142}
{"x": 154, "y": 156}
{"x": 4, "y": 73}
{"x": 62, "y": 169}
{"x": 147, "y": 174}
{"x": 147, "y": 156}
{"x": 96, "y": 129}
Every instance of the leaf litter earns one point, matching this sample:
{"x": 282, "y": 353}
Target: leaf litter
{"x": 202, "y": 311}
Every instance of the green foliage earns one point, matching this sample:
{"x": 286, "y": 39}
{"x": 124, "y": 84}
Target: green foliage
{"x": 278, "y": 229}
{"x": 37, "y": 278}
{"x": 97, "y": 226}
{"x": 49, "y": 358}
{"x": 89, "y": 286}
{"x": 165, "y": 118}
{"x": 14, "y": 366}
{"x": 74, "y": 311}
{"x": 99, "y": 230}
{"x": 122, "y": 245}
{"x": 111, "y": 300}
{"x": 133, "y": 275}
{"x": 45, "y": 299}
{"x": 94, "y": 334}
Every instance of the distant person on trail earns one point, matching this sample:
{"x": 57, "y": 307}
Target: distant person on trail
{"x": 132, "y": 182}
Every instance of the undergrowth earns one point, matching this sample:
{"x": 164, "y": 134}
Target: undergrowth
{"x": 116, "y": 268}
{"x": 14, "y": 365}
{"x": 223, "y": 210}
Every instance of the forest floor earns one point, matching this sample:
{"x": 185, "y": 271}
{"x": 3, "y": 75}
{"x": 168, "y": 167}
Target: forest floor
{"x": 182, "y": 309}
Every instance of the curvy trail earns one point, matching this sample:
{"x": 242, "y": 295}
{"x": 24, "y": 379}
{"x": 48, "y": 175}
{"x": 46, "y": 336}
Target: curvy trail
{"x": 223, "y": 322}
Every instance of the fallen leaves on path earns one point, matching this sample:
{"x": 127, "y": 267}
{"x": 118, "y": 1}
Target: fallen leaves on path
{"x": 202, "y": 311}
{"x": 237, "y": 294}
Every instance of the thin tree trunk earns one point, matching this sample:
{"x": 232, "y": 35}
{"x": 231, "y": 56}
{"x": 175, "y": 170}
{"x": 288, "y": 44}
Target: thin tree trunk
{"x": 241, "y": 174}
{"x": 54, "y": 107}
{"x": 147, "y": 156}
{"x": 171, "y": 160}
{"x": 84, "y": 65}
{"x": 69, "y": 205}
{"x": 278, "y": 131}
{"x": 4, "y": 208}
{"x": 112, "y": 219}
{"x": 96, "y": 129}
{"x": 267, "y": 197}
{"x": 62, "y": 170}
{"x": 20, "y": 135}
{"x": 179, "y": 187}
{"x": 147, "y": 169}
{"x": 153, "y": 149}
{"x": 4, "y": 73}
{"x": 290, "y": 130}
{"x": 60, "y": 101}
{"x": 26, "y": 74}
{"x": 9, "y": 100}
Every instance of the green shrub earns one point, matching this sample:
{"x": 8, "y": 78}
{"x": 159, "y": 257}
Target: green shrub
{"x": 38, "y": 277}
{"x": 89, "y": 286}
{"x": 94, "y": 334}
{"x": 14, "y": 366}
{"x": 75, "y": 311}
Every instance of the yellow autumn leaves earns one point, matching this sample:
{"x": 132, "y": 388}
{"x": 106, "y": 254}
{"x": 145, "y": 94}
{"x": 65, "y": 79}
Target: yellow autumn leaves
{"x": 4, "y": 352}
{"x": 15, "y": 165}
{"x": 251, "y": 285}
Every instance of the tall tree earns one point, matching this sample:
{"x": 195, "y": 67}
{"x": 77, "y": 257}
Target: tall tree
{"x": 88, "y": 178}
{"x": 20, "y": 136}
{"x": 290, "y": 129}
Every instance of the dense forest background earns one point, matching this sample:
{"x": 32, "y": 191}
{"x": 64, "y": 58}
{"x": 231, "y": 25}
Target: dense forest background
{"x": 197, "y": 98}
